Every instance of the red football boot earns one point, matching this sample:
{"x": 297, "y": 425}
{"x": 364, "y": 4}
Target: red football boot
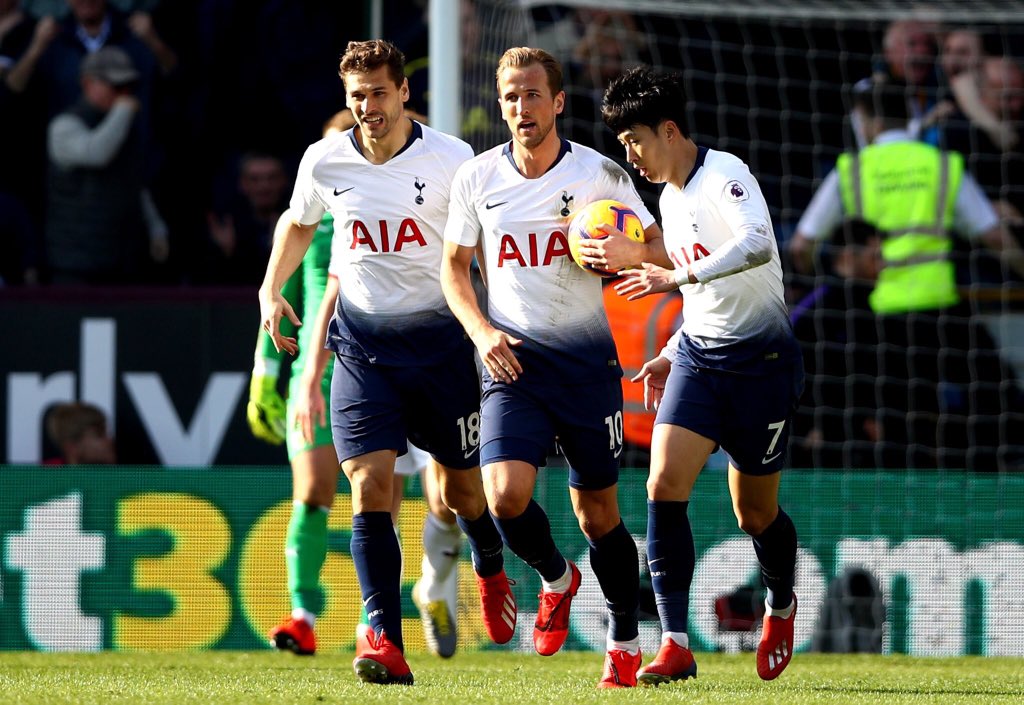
{"x": 673, "y": 663}
{"x": 552, "y": 627}
{"x": 620, "y": 669}
{"x": 776, "y": 647}
{"x": 294, "y": 635}
{"x": 378, "y": 660}
{"x": 498, "y": 605}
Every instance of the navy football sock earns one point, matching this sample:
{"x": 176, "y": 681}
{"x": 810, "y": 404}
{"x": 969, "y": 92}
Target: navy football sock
{"x": 616, "y": 565}
{"x": 378, "y": 562}
{"x": 671, "y": 559}
{"x": 529, "y": 537}
{"x": 485, "y": 544}
{"x": 776, "y": 552}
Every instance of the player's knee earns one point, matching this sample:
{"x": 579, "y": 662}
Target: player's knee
{"x": 754, "y": 521}
{"x": 463, "y": 499}
{"x": 508, "y": 505}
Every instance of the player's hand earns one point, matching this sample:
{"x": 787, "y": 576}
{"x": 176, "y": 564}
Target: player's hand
{"x": 310, "y": 407}
{"x": 495, "y": 349}
{"x": 272, "y": 307}
{"x": 266, "y": 410}
{"x": 611, "y": 253}
{"x": 649, "y": 279}
{"x": 653, "y": 374}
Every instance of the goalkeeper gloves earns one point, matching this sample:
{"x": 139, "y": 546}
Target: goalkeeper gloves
{"x": 266, "y": 410}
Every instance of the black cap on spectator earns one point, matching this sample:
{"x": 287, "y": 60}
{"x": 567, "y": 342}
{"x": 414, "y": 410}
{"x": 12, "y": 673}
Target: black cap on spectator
{"x": 111, "y": 65}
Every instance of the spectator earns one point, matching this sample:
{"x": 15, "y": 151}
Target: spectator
{"x": 835, "y": 425}
{"x": 917, "y": 196}
{"x": 990, "y": 135}
{"x": 79, "y": 431}
{"x": 22, "y": 140}
{"x": 99, "y": 209}
{"x": 909, "y": 56}
{"x": 241, "y": 236}
{"x": 963, "y": 50}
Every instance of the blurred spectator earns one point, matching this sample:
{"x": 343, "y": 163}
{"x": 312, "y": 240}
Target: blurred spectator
{"x": 22, "y": 140}
{"x": 835, "y": 425}
{"x": 242, "y": 234}
{"x": 945, "y": 386}
{"x": 609, "y": 43}
{"x": 963, "y": 50}
{"x": 990, "y": 135}
{"x": 909, "y": 56}
{"x": 101, "y": 216}
{"x": 90, "y": 26}
{"x": 79, "y": 431}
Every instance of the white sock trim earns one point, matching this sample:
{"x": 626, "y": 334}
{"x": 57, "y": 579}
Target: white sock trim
{"x": 785, "y": 612}
{"x": 305, "y": 615}
{"x": 560, "y": 585}
{"x": 631, "y": 647}
{"x": 680, "y": 638}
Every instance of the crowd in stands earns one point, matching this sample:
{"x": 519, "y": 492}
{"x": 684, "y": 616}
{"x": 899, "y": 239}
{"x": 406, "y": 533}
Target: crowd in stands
{"x": 156, "y": 141}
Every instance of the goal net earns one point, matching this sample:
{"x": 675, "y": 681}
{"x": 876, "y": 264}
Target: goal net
{"x": 918, "y": 398}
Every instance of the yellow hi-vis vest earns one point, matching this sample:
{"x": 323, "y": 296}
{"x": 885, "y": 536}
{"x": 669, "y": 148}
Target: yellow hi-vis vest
{"x": 907, "y": 190}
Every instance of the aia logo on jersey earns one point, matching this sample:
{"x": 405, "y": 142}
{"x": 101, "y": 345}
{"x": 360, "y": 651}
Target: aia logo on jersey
{"x": 419, "y": 188}
{"x": 699, "y": 252}
{"x": 566, "y": 200}
{"x": 381, "y": 240}
{"x": 735, "y": 192}
{"x": 533, "y": 253}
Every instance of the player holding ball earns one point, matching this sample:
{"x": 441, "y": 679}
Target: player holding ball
{"x": 551, "y": 370}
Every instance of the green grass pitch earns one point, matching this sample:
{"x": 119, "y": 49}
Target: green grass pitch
{"x": 226, "y": 678}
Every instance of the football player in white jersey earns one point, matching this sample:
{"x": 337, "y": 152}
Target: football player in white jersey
{"x": 550, "y": 367}
{"x": 403, "y": 368}
{"x": 736, "y": 371}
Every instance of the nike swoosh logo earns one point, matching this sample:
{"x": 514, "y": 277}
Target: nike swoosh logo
{"x": 345, "y": 190}
{"x": 765, "y": 461}
{"x": 618, "y": 452}
{"x": 489, "y": 206}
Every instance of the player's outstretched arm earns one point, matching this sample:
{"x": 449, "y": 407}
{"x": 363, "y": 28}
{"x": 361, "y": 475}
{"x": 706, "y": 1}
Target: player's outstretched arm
{"x": 291, "y": 240}
{"x": 493, "y": 345}
{"x": 310, "y": 405}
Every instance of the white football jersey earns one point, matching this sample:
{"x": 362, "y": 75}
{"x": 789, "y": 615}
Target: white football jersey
{"x": 536, "y": 291}
{"x": 719, "y": 224}
{"x": 388, "y": 226}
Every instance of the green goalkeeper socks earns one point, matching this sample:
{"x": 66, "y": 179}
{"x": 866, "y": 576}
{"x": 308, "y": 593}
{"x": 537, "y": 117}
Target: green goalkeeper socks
{"x": 305, "y": 551}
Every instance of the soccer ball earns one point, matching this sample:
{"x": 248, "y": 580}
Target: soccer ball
{"x": 584, "y": 227}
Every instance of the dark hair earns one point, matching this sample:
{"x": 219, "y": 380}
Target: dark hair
{"x": 364, "y": 57}
{"x": 643, "y": 96}
{"x": 853, "y": 232}
{"x": 882, "y": 99}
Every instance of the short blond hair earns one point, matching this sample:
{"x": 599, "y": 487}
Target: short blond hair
{"x": 521, "y": 57}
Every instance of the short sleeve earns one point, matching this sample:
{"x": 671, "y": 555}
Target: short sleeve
{"x": 306, "y": 204}
{"x": 463, "y": 226}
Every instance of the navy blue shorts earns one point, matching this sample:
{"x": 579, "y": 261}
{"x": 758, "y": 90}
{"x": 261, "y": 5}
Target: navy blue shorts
{"x": 748, "y": 416}
{"x": 378, "y": 407}
{"x": 523, "y": 422}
